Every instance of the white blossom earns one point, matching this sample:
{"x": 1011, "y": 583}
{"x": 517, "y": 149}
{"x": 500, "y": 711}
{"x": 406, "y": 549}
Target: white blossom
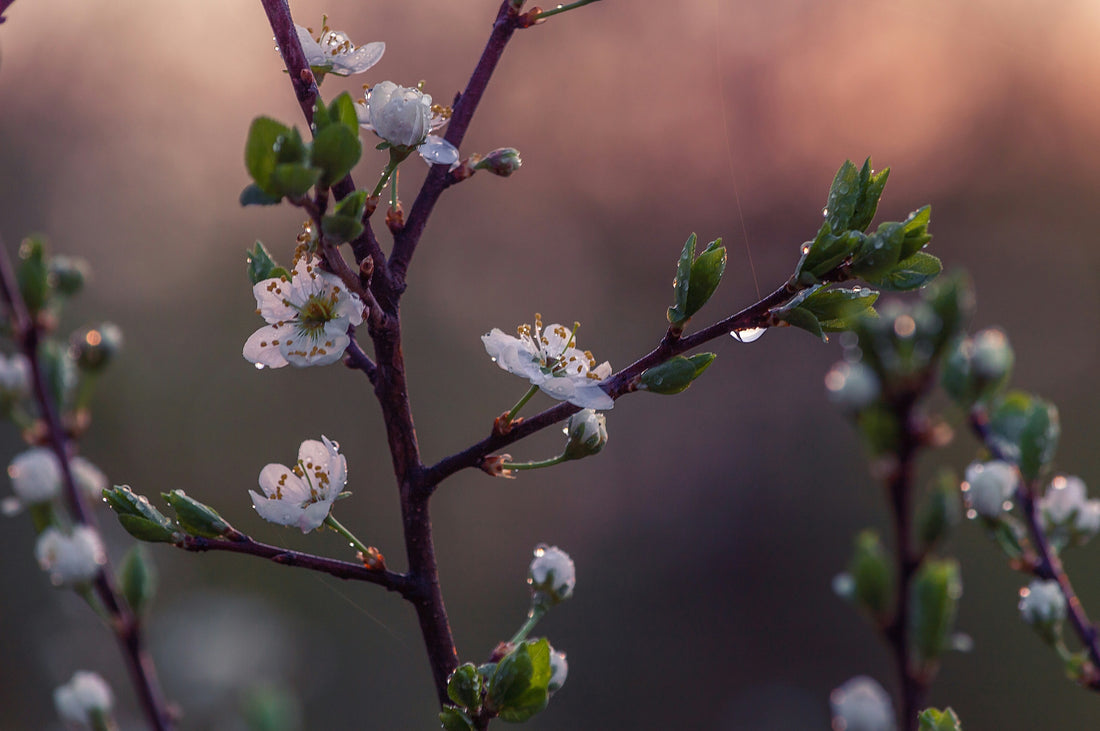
{"x": 405, "y": 118}
{"x": 988, "y": 486}
{"x": 332, "y": 52}
{"x": 302, "y": 495}
{"x": 308, "y": 318}
{"x": 1042, "y": 603}
{"x": 559, "y": 670}
{"x": 1066, "y": 499}
{"x": 86, "y": 694}
{"x": 552, "y": 574}
{"x": 70, "y": 560}
{"x": 549, "y": 359}
{"x": 587, "y": 431}
{"x": 861, "y": 704}
{"x": 36, "y": 478}
{"x": 15, "y": 375}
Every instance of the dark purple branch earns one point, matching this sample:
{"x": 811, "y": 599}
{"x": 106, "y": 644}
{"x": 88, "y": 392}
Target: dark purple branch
{"x": 623, "y": 382}
{"x": 340, "y": 569}
{"x": 1049, "y": 565}
{"x": 307, "y": 93}
{"x": 405, "y": 242}
{"x": 4, "y": 5}
{"x": 124, "y": 623}
{"x": 354, "y": 357}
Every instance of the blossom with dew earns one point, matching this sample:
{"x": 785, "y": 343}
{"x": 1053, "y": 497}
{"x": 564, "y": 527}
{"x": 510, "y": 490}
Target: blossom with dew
{"x": 85, "y": 696}
{"x": 302, "y": 495}
{"x": 559, "y": 670}
{"x": 552, "y": 574}
{"x": 332, "y": 52}
{"x": 405, "y": 118}
{"x": 861, "y": 704}
{"x": 70, "y": 559}
{"x": 36, "y": 478}
{"x": 548, "y": 358}
{"x": 988, "y": 486}
{"x": 1042, "y": 603}
{"x": 308, "y": 318}
{"x": 15, "y": 375}
{"x": 587, "y": 431}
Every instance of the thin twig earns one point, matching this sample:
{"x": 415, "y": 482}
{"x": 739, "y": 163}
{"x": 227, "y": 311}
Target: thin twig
{"x": 124, "y": 623}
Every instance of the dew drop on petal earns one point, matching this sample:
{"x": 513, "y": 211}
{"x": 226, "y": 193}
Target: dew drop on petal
{"x": 259, "y": 366}
{"x": 748, "y": 335}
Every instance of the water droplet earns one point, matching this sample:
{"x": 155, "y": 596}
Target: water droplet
{"x": 493, "y": 359}
{"x": 259, "y": 366}
{"x": 748, "y": 335}
{"x": 805, "y": 248}
{"x": 825, "y": 211}
{"x": 843, "y": 188}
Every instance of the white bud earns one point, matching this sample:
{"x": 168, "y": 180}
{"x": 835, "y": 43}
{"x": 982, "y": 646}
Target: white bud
{"x": 1064, "y": 496}
{"x": 992, "y": 355}
{"x": 86, "y": 694}
{"x": 989, "y": 485}
{"x": 70, "y": 560}
{"x": 35, "y": 475}
{"x": 15, "y": 375}
{"x": 587, "y": 432}
{"x": 552, "y": 574}
{"x": 852, "y": 386}
{"x": 861, "y": 704}
{"x": 559, "y": 670}
{"x": 1042, "y": 603}
{"x": 398, "y": 114}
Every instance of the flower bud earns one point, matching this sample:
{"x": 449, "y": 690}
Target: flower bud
{"x": 15, "y": 376}
{"x": 82, "y": 698}
{"x": 503, "y": 162}
{"x": 992, "y": 356}
{"x": 67, "y": 274}
{"x": 852, "y": 386}
{"x": 35, "y": 475}
{"x": 1064, "y": 507}
{"x": 559, "y": 670}
{"x": 70, "y": 560}
{"x": 552, "y": 575}
{"x": 988, "y": 486}
{"x": 587, "y": 432}
{"x": 95, "y": 347}
{"x": 861, "y": 704}
{"x": 400, "y": 115}
{"x": 1043, "y": 606}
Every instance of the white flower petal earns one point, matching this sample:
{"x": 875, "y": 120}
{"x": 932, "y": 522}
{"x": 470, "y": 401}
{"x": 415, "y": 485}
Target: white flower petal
{"x": 315, "y": 55}
{"x": 280, "y": 483}
{"x": 263, "y": 347}
{"x": 438, "y": 151}
{"x": 273, "y": 299}
{"x": 359, "y": 60}
{"x": 276, "y": 511}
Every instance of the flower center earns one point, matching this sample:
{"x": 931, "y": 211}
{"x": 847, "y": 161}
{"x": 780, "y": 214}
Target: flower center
{"x": 315, "y": 314}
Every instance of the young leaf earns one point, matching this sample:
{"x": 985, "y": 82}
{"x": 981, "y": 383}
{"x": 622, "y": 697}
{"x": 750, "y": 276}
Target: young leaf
{"x": 933, "y": 719}
{"x": 937, "y": 587}
{"x": 871, "y": 185}
{"x": 339, "y": 229}
{"x": 677, "y": 314}
{"x": 879, "y": 252}
{"x": 336, "y": 149}
{"x": 803, "y": 319}
{"x": 464, "y": 687}
{"x": 262, "y": 148}
{"x": 844, "y": 195}
{"x": 706, "y": 273}
{"x": 675, "y": 374}
{"x": 517, "y": 688}
{"x": 292, "y": 180}
{"x": 137, "y": 577}
{"x": 261, "y": 266}
{"x": 908, "y": 274}
{"x": 254, "y": 195}
{"x": 916, "y": 231}
{"x": 342, "y": 111}
{"x": 454, "y": 719}
{"x": 1026, "y": 430}
{"x": 195, "y": 517}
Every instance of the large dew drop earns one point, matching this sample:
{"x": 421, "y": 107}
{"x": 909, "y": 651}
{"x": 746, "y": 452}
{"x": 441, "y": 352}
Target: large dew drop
{"x": 748, "y": 335}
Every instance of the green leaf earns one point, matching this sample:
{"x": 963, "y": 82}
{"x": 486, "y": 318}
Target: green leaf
{"x": 147, "y": 530}
{"x": 916, "y": 231}
{"x": 952, "y": 299}
{"x": 261, "y": 266}
{"x": 262, "y": 148}
{"x": 353, "y": 205}
{"x": 336, "y": 149}
{"x": 879, "y": 253}
{"x": 1026, "y": 430}
{"x": 675, "y": 374}
{"x": 678, "y": 314}
{"x": 844, "y": 195}
{"x": 936, "y": 589}
{"x": 804, "y": 320}
{"x": 195, "y": 517}
{"x": 871, "y": 185}
{"x": 453, "y": 719}
{"x": 342, "y": 111}
{"x": 706, "y": 273}
{"x": 293, "y": 179}
{"x": 839, "y": 303}
{"x": 912, "y": 273}
{"x": 825, "y": 252}
{"x": 872, "y": 575}
{"x": 933, "y": 719}
{"x": 137, "y": 577}
{"x": 517, "y": 689}
{"x": 33, "y": 273}
{"x": 254, "y": 195}
{"x": 339, "y": 229}
{"x": 940, "y": 511}
{"x": 464, "y": 687}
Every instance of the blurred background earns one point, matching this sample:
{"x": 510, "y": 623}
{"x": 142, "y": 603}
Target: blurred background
{"x": 708, "y": 531}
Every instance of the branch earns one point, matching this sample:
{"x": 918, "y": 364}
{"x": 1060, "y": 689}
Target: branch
{"x": 1049, "y": 565}
{"x": 623, "y": 382}
{"x": 390, "y": 580}
{"x": 405, "y": 242}
{"x": 4, "y": 5}
{"x": 124, "y": 623}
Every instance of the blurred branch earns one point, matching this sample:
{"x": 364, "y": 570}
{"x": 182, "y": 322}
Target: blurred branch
{"x": 4, "y": 5}
{"x": 124, "y": 623}
{"x": 1049, "y": 565}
